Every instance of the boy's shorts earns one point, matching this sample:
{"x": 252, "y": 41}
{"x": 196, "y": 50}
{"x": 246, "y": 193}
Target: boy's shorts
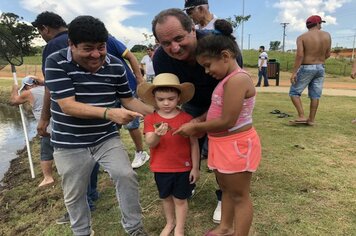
{"x": 311, "y": 76}
{"x": 176, "y": 184}
{"x": 46, "y": 149}
{"x": 235, "y": 153}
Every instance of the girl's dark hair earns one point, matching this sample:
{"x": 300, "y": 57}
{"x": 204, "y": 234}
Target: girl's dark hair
{"x": 220, "y": 39}
{"x": 87, "y": 29}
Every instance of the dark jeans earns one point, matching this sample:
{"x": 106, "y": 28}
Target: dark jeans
{"x": 262, "y": 72}
{"x": 92, "y": 193}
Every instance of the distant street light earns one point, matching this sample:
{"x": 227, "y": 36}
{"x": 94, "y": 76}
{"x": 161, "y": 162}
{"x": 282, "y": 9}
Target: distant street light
{"x": 242, "y": 26}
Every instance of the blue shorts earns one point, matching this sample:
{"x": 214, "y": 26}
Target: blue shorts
{"x": 311, "y": 76}
{"x": 46, "y": 149}
{"x": 176, "y": 184}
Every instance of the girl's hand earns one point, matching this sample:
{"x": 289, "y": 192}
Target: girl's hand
{"x": 187, "y": 129}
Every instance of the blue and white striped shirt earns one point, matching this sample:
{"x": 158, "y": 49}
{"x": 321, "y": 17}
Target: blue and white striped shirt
{"x": 65, "y": 78}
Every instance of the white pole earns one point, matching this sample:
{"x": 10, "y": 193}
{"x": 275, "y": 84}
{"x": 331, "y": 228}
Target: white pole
{"x": 242, "y": 26}
{"x": 24, "y": 127}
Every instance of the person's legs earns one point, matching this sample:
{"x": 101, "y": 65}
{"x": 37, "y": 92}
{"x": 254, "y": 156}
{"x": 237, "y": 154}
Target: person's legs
{"x": 141, "y": 157}
{"x": 181, "y": 211}
{"x": 46, "y": 161}
{"x": 297, "y": 102}
{"x": 92, "y": 193}
{"x": 315, "y": 89}
{"x": 75, "y": 166}
{"x": 265, "y": 78}
{"x": 168, "y": 208}
{"x": 111, "y": 155}
{"x": 236, "y": 203}
{"x": 314, "y": 103}
{"x": 259, "y": 78}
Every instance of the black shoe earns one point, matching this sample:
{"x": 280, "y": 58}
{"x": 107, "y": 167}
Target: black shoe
{"x": 63, "y": 220}
{"x": 266, "y": 85}
{"x": 257, "y": 85}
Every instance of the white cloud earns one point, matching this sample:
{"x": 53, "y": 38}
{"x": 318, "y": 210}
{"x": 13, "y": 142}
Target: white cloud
{"x": 111, "y": 12}
{"x": 295, "y": 12}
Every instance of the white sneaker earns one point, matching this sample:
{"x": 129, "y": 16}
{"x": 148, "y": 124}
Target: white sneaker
{"x": 217, "y": 213}
{"x": 140, "y": 159}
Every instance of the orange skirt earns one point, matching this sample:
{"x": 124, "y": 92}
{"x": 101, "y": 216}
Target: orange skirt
{"x": 235, "y": 153}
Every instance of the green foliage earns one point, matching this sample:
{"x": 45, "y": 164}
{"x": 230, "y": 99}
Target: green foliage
{"x": 274, "y": 45}
{"x": 23, "y": 32}
{"x": 138, "y": 48}
{"x": 236, "y": 20}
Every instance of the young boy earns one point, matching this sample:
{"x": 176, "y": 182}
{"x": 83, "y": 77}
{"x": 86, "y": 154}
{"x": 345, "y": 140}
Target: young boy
{"x": 174, "y": 159}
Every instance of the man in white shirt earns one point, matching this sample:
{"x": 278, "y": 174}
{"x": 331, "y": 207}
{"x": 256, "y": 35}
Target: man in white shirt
{"x": 198, "y": 10}
{"x": 262, "y": 67}
{"x": 146, "y": 64}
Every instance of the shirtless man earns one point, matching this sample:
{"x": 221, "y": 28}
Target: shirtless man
{"x": 313, "y": 48}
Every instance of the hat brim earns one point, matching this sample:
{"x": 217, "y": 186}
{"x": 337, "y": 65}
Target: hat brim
{"x": 144, "y": 92}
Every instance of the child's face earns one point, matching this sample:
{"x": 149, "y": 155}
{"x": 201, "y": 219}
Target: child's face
{"x": 166, "y": 101}
{"x": 214, "y": 66}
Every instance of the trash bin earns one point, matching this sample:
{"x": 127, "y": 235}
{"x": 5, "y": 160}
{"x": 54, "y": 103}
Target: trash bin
{"x": 273, "y": 70}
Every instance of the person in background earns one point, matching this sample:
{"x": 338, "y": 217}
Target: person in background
{"x": 32, "y": 91}
{"x": 134, "y": 76}
{"x": 175, "y": 168}
{"x": 85, "y": 83}
{"x": 262, "y": 67}
{"x": 178, "y": 38}
{"x": 313, "y": 48}
{"x": 147, "y": 66}
{"x": 234, "y": 145}
{"x": 198, "y": 10}
{"x": 353, "y": 76}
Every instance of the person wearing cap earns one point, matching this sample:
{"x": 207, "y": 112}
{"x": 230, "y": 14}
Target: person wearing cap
{"x": 32, "y": 91}
{"x": 199, "y": 11}
{"x": 85, "y": 84}
{"x": 175, "y": 168}
{"x": 175, "y": 32}
{"x": 313, "y": 48}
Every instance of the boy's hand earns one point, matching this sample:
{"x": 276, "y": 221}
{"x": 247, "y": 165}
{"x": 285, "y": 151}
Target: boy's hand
{"x": 194, "y": 176}
{"x": 161, "y": 128}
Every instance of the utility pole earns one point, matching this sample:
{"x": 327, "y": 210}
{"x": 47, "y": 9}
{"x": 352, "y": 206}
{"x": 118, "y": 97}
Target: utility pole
{"x": 353, "y": 48}
{"x": 242, "y": 26}
{"x": 249, "y": 37}
{"x": 284, "y": 34}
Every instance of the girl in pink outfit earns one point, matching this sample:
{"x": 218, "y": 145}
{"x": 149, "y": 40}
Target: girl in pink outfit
{"x": 234, "y": 145}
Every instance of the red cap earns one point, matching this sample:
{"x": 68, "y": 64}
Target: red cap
{"x": 314, "y": 19}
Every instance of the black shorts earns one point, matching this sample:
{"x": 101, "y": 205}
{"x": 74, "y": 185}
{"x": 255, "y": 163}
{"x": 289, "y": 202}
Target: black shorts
{"x": 176, "y": 184}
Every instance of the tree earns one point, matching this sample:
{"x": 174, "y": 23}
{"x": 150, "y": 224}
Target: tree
{"x": 138, "y": 48}
{"x": 23, "y": 32}
{"x": 274, "y": 45}
{"x": 236, "y": 21}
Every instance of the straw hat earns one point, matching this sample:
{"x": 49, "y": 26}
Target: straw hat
{"x": 144, "y": 90}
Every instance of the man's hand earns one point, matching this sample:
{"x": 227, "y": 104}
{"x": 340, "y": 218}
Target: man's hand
{"x": 293, "y": 78}
{"x": 121, "y": 115}
{"x": 42, "y": 127}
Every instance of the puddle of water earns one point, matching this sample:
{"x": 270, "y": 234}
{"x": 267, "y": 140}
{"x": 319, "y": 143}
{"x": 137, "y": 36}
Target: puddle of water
{"x": 12, "y": 136}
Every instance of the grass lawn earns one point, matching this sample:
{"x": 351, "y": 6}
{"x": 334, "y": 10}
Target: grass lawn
{"x": 306, "y": 183}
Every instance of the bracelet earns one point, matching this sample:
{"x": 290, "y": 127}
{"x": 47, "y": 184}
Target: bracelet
{"x": 105, "y": 112}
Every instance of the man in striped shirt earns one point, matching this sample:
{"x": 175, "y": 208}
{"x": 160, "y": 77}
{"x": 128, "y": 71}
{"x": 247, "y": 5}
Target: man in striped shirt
{"x": 85, "y": 83}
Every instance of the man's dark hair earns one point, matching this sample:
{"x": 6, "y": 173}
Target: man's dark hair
{"x": 262, "y": 47}
{"x": 87, "y": 29}
{"x": 49, "y": 19}
{"x": 183, "y": 18}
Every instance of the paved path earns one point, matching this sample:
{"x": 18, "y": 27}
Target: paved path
{"x": 326, "y": 91}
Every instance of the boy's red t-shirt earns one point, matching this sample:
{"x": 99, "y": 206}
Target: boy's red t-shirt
{"x": 172, "y": 154}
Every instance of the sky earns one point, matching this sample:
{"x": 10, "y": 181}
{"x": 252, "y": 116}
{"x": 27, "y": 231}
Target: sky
{"x": 129, "y": 20}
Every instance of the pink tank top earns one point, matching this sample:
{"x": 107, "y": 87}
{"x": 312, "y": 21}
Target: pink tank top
{"x": 215, "y": 109}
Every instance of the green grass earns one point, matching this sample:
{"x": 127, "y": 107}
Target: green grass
{"x": 305, "y": 185}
